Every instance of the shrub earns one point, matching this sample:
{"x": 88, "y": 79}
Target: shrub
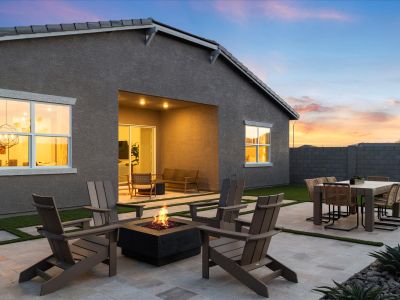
{"x": 353, "y": 291}
{"x": 389, "y": 259}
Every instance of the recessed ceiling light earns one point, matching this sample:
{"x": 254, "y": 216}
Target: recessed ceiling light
{"x": 142, "y": 101}
{"x": 165, "y": 105}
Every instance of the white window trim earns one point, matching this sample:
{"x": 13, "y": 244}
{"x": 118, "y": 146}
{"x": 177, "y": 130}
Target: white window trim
{"x": 263, "y": 125}
{"x": 34, "y": 98}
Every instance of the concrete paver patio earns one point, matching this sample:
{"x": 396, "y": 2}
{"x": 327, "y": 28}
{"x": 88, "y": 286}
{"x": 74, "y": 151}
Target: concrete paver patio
{"x": 317, "y": 261}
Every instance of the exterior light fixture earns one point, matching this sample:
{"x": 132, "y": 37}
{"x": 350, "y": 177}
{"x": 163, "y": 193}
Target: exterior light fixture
{"x": 165, "y": 105}
{"x": 142, "y": 101}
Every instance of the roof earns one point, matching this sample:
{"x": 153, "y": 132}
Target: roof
{"x": 40, "y": 31}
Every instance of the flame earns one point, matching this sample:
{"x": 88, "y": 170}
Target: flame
{"x": 162, "y": 217}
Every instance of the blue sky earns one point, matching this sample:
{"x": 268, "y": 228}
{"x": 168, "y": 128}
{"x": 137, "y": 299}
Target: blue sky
{"x": 336, "y": 62}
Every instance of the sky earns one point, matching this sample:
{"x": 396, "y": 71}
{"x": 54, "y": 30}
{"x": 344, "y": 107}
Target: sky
{"x": 336, "y": 62}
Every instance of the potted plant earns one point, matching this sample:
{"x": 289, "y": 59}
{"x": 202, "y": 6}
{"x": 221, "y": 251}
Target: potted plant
{"x": 356, "y": 180}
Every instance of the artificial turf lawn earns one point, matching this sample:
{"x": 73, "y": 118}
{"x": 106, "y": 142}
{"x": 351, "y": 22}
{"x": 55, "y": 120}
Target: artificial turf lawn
{"x": 292, "y": 192}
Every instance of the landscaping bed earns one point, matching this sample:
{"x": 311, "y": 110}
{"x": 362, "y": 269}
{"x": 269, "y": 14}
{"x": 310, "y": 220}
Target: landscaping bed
{"x": 379, "y": 281}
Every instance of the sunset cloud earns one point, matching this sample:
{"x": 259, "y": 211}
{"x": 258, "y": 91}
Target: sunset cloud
{"x": 288, "y": 11}
{"x": 49, "y": 10}
{"x": 394, "y": 101}
{"x": 329, "y": 125}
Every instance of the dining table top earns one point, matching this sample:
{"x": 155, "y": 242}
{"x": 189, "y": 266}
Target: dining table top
{"x": 367, "y": 184}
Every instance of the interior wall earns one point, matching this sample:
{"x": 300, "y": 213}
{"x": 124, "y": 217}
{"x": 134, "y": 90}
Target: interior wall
{"x": 134, "y": 116}
{"x": 190, "y": 141}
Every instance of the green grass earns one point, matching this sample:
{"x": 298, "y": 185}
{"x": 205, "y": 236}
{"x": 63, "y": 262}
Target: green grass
{"x": 292, "y": 192}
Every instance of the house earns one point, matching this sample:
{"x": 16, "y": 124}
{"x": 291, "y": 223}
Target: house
{"x": 92, "y": 101}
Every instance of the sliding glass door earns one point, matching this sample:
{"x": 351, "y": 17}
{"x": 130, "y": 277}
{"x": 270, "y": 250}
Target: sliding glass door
{"x": 137, "y": 153}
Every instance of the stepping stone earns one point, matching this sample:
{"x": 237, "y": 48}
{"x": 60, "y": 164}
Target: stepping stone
{"x": 6, "y": 236}
{"x": 31, "y": 230}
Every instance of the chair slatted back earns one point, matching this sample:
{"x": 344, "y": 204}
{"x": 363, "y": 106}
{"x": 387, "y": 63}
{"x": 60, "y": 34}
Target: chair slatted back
{"x": 141, "y": 178}
{"x": 235, "y": 198}
{"x": 378, "y": 178}
{"x": 331, "y": 179}
{"x": 263, "y": 221}
{"x": 51, "y": 223}
{"x": 102, "y": 196}
{"x": 394, "y": 194}
{"x": 310, "y": 183}
{"x": 337, "y": 194}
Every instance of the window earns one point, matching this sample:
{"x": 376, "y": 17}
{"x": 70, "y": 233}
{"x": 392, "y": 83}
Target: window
{"x": 257, "y": 144}
{"x": 34, "y": 135}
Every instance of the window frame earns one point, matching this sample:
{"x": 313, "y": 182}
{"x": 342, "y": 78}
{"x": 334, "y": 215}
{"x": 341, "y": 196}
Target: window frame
{"x": 258, "y": 125}
{"x": 33, "y": 99}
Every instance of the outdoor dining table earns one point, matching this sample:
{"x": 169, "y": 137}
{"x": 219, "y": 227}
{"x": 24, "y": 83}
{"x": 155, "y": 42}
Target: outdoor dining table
{"x": 367, "y": 189}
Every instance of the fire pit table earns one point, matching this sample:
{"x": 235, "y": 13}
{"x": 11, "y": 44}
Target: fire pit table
{"x": 152, "y": 243}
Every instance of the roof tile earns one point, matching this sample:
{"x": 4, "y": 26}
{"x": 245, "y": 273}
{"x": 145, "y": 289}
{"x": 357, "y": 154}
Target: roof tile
{"x": 7, "y": 31}
{"x": 116, "y": 23}
{"x": 105, "y": 24}
{"x": 146, "y": 21}
{"x": 81, "y": 26}
{"x": 39, "y": 28}
{"x": 127, "y": 22}
{"x": 93, "y": 25}
{"x": 68, "y": 27}
{"x": 23, "y": 29}
{"x": 54, "y": 27}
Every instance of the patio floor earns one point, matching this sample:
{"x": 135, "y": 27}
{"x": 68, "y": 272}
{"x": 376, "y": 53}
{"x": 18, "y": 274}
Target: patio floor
{"x": 317, "y": 261}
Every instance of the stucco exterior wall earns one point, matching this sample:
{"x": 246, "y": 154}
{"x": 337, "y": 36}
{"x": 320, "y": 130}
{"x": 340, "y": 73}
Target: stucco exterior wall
{"x": 93, "y": 67}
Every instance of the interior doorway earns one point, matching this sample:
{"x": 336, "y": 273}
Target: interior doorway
{"x": 137, "y": 150}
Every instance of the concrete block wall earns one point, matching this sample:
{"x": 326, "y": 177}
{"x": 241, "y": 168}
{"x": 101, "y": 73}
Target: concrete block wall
{"x": 345, "y": 162}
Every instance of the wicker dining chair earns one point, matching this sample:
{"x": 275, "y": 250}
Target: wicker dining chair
{"x": 385, "y": 222}
{"x": 338, "y": 195}
{"x": 142, "y": 181}
{"x": 378, "y": 178}
{"x": 331, "y": 179}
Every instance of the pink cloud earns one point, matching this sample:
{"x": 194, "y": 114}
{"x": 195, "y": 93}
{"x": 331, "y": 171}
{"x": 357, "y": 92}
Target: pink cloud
{"x": 288, "y": 11}
{"x": 48, "y": 11}
{"x": 375, "y": 116}
{"x": 394, "y": 101}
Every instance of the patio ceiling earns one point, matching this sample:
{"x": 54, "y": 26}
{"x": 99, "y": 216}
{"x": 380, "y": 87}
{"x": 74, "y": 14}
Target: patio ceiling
{"x": 135, "y": 100}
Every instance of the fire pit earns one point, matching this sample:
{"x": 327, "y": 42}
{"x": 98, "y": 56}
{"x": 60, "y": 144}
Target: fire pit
{"x": 160, "y": 240}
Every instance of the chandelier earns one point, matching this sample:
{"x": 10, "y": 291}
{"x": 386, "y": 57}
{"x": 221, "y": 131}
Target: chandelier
{"x": 7, "y": 139}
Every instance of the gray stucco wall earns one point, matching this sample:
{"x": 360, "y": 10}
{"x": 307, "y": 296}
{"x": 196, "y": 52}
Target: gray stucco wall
{"x": 345, "y": 162}
{"x": 92, "y": 68}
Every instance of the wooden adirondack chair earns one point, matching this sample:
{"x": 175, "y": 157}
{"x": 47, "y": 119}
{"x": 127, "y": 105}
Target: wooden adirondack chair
{"x": 239, "y": 252}
{"x": 74, "y": 259}
{"x": 104, "y": 206}
{"x": 228, "y": 205}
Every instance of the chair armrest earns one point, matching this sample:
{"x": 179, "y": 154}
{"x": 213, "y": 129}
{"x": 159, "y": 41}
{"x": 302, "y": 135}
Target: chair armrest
{"x": 83, "y": 222}
{"x": 263, "y": 235}
{"x": 201, "y": 204}
{"x": 225, "y": 233}
{"x": 236, "y": 235}
{"x": 233, "y": 207}
{"x": 92, "y": 231}
{"x": 97, "y": 209}
{"x": 194, "y": 206}
{"x": 138, "y": 208}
